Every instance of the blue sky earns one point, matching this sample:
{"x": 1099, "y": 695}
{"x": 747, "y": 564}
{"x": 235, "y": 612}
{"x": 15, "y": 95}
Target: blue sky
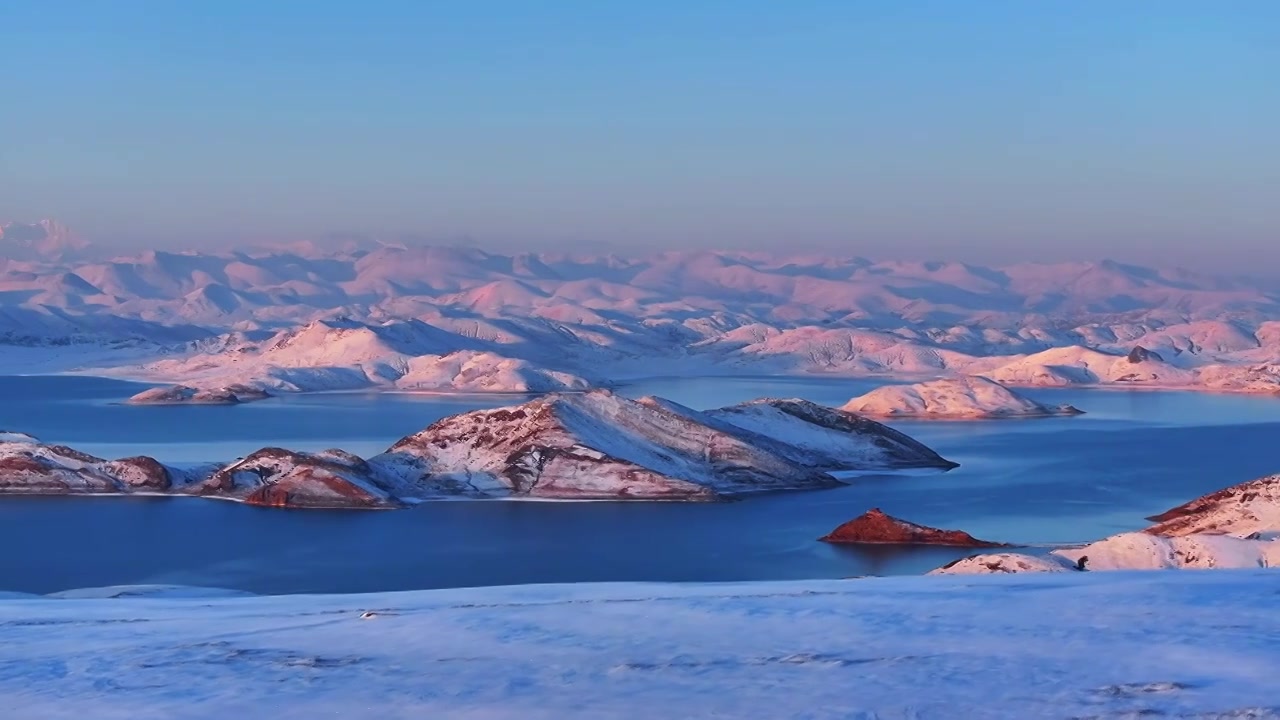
{"x": 977, "y": 131}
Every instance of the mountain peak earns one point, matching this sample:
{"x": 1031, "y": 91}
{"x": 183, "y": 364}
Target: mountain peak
{"x": 44, "y": 239}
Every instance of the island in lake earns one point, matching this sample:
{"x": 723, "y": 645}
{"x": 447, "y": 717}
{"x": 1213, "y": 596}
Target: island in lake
{"x": 593, "y": 445}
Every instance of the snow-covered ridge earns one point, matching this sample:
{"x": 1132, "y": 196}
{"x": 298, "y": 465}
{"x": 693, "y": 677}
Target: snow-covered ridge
{"x": 594, "y": 445}
{"x": 383, "y": 317}
{"x": 346, "y": 355}
{"x": 1240, "y": 510}
{"x": 1237, "y": 527}
{"x": 602, "y": 445}
{"x": 1190, "y": 645}
{"x": 828, "y": 438}
{"x": 1133, "y": 551}
{"x": 963, "y": 398}
{"x": 1229, "y": 372}
{"x": 29, "y": 467}
{"x": 186, "y": 395}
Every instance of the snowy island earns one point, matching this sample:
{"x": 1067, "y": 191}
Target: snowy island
{"x": 186, "y": 395}
{"x": 963, "y": 398}
{"x": 593, "y": 445}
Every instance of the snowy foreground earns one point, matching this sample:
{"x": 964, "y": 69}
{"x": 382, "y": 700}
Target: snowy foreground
{"x": 1107, "y": 645}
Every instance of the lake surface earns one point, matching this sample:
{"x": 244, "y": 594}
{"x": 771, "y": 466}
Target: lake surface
{"x": 1048, "y": 481}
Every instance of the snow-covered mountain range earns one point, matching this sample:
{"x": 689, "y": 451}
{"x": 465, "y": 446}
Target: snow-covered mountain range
{"x": 438, "y": 318}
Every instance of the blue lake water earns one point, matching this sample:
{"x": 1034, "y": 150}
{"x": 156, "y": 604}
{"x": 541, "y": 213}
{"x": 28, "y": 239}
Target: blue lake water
{"x": 1037, "y": 481}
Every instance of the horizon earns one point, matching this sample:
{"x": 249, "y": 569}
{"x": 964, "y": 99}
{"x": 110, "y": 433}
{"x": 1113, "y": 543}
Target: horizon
{"x": 993, "y": 135}
{"x": 338, "y": 243}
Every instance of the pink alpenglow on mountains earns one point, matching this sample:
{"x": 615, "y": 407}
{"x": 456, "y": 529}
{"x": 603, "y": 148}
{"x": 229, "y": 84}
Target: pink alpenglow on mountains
{"x": 1236, "y": 527}
{"x": 593, "y": 445}
{"x": 962, "y": 398}
{"x": 1240, "y": 510}
{"x": 281, "y": 478}
{"x": 29, "y": 467}
{"x": 602, "y": 445}
{"x": 185, "y": 395}
{"x": 436, "y": 319}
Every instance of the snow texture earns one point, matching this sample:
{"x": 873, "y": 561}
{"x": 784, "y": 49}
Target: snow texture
{"x": 602, "y": 445}
{"x": 963, "y": 398}
{"x": 1132, "y": 551}
{"x": 1084, "y": 645}
{"x": 1236, "y": 527}
{"x": 1241, "y": 510}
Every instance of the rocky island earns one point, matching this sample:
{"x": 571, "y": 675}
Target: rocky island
{"x": 187, "y": 395}
{"x": 603, "y": 446}
{"x": 875, "y": 526}
{"x": 275, "y": 477}
{"x": 593, "y": 445}
{"x": 29, "y": 467}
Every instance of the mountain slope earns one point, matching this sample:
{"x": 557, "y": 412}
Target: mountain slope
{"x": 29, "y": 467}
{"x": 834, "y": 439}
{"x": 353, "y": 315}
{"x": 599, "y": 444}
{"x": 592, "y": 445}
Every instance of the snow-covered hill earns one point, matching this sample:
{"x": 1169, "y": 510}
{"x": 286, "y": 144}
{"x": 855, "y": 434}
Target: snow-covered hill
{"x": 601, "y": 445}
{"x": 343, "y": 354}
{"x": 30, "y": 467}
{"x": 593, "y": 445}
{"x": 379, "y": 316}
{"x": 1240, "y": 510}
{"x": 1132, "y": 551}
{"x": 186, "y": 395}
{"x": 963, "y": 398}
{"x": 1099, "y": 645}
{"x": 827, "y": 438}
{"x": 1140, "y": 367}
{"x": 1237, "y": 527}
{"x": 280, "y": 478}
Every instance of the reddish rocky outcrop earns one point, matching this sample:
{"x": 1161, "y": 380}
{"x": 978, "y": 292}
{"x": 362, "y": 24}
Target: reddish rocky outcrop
{"x": 29, "y": 467}
{"x": 276, "y": 477}
{"x": 874, "y": 526}
{"x": 142, "y": 473}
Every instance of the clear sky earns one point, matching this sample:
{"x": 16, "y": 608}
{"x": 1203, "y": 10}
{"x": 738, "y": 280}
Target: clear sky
{"x": 952, "y": 130}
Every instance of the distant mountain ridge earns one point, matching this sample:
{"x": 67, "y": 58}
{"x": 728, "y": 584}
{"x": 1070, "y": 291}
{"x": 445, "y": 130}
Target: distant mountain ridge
{"x": 606, "y": 317}
{"x": 46, "y": 239}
